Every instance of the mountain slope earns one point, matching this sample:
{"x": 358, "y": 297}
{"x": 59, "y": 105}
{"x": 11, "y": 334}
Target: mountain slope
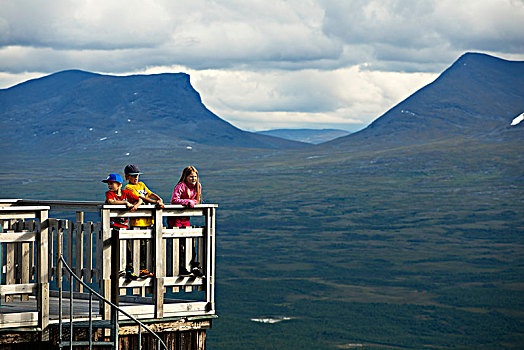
{"x": 314, "y": 136}
{"x": 76, "y": 109}
{"x": 478, "y": 96}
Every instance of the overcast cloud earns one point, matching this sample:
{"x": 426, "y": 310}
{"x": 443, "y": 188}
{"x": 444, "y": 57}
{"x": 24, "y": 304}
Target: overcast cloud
{"x": 263, "y": 64}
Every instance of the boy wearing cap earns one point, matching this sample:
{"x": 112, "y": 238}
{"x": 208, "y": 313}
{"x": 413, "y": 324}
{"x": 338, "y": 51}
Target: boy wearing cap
{"x": 132, "y": 173}
{"x": 140, "y": 189}
{"x": 116, "y": 195}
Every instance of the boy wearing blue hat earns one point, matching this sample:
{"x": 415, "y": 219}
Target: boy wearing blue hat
{"x": 116, "y": 195}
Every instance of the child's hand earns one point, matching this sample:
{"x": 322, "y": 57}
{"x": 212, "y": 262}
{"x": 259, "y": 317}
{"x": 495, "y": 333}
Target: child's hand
{"x": 191, "y": 203}
{"x": 160, "y": 204}
{"x": 134, "y": 208}
{"x": 129, "y": 205}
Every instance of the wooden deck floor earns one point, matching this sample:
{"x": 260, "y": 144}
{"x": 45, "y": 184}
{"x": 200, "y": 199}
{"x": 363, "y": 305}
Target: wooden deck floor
{"x": 80, "y": 306}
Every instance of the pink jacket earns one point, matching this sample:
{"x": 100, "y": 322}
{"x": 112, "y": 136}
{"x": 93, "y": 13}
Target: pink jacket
{"x": 184, "y": 195}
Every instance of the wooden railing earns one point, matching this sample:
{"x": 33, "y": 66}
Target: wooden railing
{"x": 31, "y": 243}
{"x": 24, "y": 250}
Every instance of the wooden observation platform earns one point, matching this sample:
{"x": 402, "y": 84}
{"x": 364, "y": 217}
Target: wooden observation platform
{"x": 63, "y": 281}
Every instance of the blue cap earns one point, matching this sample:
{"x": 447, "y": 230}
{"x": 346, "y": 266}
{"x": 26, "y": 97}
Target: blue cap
{"x": 113, "y": 177}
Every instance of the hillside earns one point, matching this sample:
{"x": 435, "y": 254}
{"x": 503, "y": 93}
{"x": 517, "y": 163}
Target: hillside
{"x": 477, "y": 96}
{"x": 81, "y": 110}
{"x": 314, "y": 136}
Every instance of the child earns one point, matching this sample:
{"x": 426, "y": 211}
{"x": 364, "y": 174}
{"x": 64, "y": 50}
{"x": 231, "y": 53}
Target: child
{"x": 187, "y": 192}
{"x": 116, "y": 195}
{"x": 140, "y": 189}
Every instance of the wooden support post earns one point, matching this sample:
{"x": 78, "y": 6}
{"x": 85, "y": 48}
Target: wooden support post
{"x": 88, "y": 268}
{"x": 210, "y": 258}
{"x": 79, "y": 251}
{"x": 52, "y": 226}
{"x": 135, "y": 258}
{"x": 115, "y": 266}
{"x": 43, "y": 278}
{"x": 10, "y": 263}
{"x": 69, "y": 258}
{"x": 80, "y": 217}
{"x": 158, "y": 290}
{"x": 25, "y": 267}
{"x": 105, "y": 266}
{"x": 122, "y": 260}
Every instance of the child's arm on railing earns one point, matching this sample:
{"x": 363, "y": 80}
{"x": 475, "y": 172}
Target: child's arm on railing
{"x": 130, "y": 206}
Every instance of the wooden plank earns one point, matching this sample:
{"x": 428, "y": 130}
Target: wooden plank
{"x": 21, "y": 319}
{"x": 141, "y": 311}
{"x": 24, "y": 208}
{"x": 171, "y": 327}
{"x": 25, "y": 267}
{"x": 79, "y": 250}
{"x": 183, "y": 232}
{"x": 136, "y": 234}
{"x": 10, "y": 267}
{"x": 180, "y": 281}
{"x": 122, "y": 263}
{"x": 184, "y": 307}
{"x": 97, "y": 234}
{"x": 63, "y": 205}
{"x": 43, "y": 270}
{"x": 184, "y": 212}
{"x": 8, "y": 202}
{"x": 69, "y": 235}
{"x": 188, "y": 253}
{"x": 158, "y": 290}
{"x": 201, "y": 251}
{"x": 31, "y": 226}
{"x": 17, "y": 237}
{"x": 136, "y": 261}
{"x": 116, "y": 213}
{"x": 88, "y": 268}
{"x": 176, "y": 261}
{"x": 25, "y": 288}
{"x": 210, "y": 258}
{"x": 115, "y": 265}
{"x": 138, "y": 283}
{"x": 17, "y": 215}
{"x": 52, "y": 232}
{"x": 105, "y": 266}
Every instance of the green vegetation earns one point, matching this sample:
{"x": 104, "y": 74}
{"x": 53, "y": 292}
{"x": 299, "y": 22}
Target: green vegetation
{"x": 402, "y": 248}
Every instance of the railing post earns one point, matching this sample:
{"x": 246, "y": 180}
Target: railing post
{"x": 43, "y": 274}
{"x": 210, "y": 258}
{"x": 79, "y": 247}
{"x": 158, "y": 290}
{"x": 115, "y": 266}
{"x": 105, "y": 259}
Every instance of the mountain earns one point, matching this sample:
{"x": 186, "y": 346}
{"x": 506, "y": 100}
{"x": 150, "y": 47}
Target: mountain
{"x": 81, "y": 110}
{"x": 314, "y": 136}
{"x": 478, "y": 96}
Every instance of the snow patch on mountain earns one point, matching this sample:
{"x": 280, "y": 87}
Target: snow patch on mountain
{"x": 518, "y": 119}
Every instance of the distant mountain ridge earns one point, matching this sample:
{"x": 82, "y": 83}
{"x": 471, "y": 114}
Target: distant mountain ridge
{"x": 74, "y": 109}
{"x": 477, "y": 96}
{"x": 314, "y": 136}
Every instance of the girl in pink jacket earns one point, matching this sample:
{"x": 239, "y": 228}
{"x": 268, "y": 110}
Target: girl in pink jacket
{"x": 188, "y": 192}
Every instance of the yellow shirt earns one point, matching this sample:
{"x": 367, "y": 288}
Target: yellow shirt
{"x": 140, "y": 190}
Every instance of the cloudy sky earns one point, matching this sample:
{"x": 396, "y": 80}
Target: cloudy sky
{"x": 264, "y": 64}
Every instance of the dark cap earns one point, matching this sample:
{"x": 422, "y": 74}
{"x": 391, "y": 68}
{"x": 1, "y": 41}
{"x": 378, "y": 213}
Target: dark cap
{"x": 132, "y": 169}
